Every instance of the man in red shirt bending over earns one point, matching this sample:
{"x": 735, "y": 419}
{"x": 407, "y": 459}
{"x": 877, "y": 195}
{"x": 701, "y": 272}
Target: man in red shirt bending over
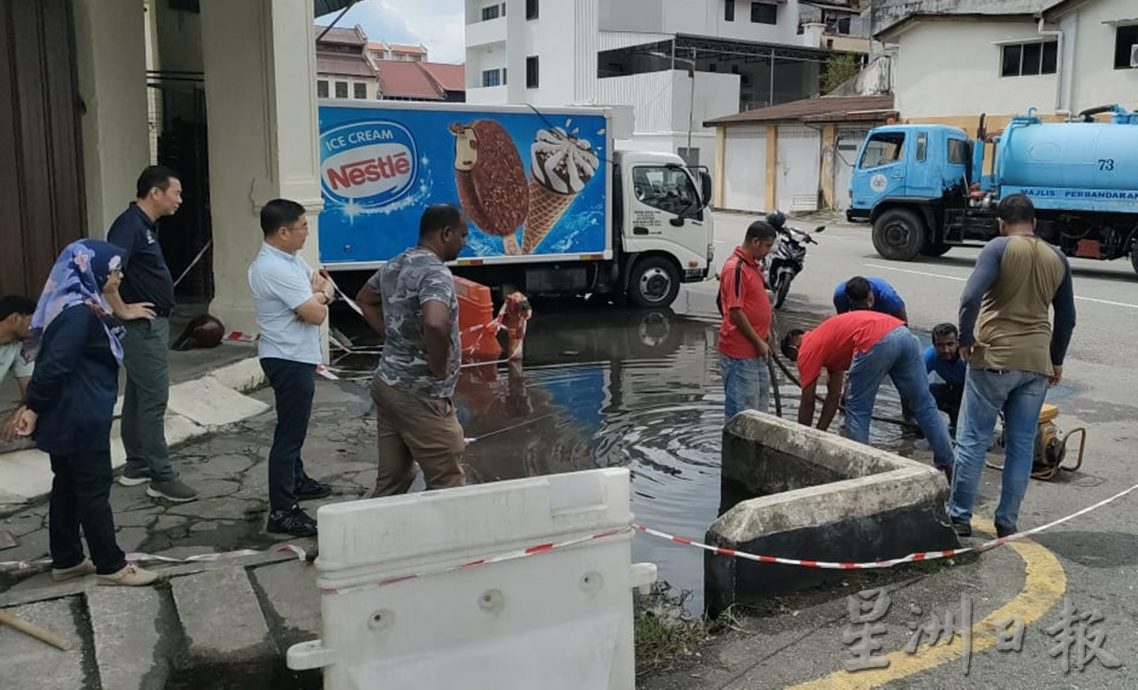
{"x": 746, "y": 310}
{"x": 870, "y": 345}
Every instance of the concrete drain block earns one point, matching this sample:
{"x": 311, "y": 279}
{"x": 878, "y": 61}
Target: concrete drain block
{"x": 809, "y": 494}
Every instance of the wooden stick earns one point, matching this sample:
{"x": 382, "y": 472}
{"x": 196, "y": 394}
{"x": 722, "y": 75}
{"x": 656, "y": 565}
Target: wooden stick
{"x": 33, "y": 630}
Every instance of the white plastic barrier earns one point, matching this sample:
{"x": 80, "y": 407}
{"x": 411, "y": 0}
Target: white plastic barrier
{"x": 513, "y": 585}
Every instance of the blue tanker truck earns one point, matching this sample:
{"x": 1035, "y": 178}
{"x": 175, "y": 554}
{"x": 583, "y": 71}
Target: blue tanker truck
{"x": 923, "y": 187}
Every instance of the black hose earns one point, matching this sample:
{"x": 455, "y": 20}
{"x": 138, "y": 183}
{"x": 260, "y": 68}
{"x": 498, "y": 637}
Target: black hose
{"x": 774, "y": 387}
{"x": 887, "y": 420}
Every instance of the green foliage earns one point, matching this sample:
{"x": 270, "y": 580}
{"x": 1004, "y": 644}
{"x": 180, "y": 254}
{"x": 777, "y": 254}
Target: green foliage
{"x": 838, "y": 70}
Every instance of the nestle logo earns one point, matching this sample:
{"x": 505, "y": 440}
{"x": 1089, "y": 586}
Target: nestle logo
{"x": 369, "y": 170}
{"x": 368, "y": 164}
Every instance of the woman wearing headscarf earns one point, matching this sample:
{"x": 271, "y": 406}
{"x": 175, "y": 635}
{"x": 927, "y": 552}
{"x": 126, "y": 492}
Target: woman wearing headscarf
{"x": 70, "y": 405}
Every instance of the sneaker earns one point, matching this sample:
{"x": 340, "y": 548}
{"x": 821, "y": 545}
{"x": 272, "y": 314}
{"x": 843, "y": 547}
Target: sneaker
{"x": 294, "y": 522}
{"x": 173, "y": 490}
{"x": 1004, "y": 531}
{"x": 130, "y": 576}
{"x": 85, "y": 568}
{"x": 963, "y": 529}
{"x": 310, "y": 489}
{"x": 133, "y": 477}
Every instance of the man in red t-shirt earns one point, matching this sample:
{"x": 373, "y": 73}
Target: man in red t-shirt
{"x": 870, "y": 345}
{"x": 743, "y": 349}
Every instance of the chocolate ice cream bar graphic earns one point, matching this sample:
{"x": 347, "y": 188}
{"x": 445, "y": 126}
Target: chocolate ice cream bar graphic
{"x": 561, "y": 165}
{"x": 491, "y": 179}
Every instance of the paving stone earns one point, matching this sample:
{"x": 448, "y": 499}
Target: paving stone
{"x": 209, "y": 403}
{"x": 222, "y": 619}
{"x": 129, "y": 647}
{"x": 291, "y": 600}
{"x": 130, "y": 538}
{"x": 165, "y": 523}
{"x": 228, "y": 466}
{"x": 137, "y": 517}
{"x": 230, "y": 508}
{"x": 27, "y": 663}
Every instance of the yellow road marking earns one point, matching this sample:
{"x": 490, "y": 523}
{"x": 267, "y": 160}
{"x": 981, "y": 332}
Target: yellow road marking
{"x": 1044, "y": 585}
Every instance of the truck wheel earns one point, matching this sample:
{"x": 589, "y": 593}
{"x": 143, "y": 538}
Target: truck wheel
{"x": 655, "y": 282}
{"x": 935, "y": 249}
{"x": 1134, "y": 254}
{"x": 899, "y": 235}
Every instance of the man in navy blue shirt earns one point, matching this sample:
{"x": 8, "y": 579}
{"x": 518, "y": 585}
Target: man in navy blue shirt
{"x": 146, "y": 344}
{"x": 943, "y": 357}
{"x": 869, "y": 293}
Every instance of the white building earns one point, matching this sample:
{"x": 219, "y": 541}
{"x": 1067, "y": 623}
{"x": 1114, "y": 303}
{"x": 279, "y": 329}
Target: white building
{"x": 676, "y": 62}
{"x": 1003, "y": 58}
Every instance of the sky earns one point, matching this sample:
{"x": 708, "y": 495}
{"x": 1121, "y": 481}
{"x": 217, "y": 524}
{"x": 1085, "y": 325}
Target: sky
{"x": 437, "y": 24}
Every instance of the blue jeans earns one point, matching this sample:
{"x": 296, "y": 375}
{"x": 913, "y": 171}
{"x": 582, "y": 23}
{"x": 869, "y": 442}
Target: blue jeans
{"x": 746, "y": 384}
{"x": 1020, "y": 395}
{"x": 898, "y": 355}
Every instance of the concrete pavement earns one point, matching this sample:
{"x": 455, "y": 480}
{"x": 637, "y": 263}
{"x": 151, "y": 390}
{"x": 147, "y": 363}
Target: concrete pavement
{"x": 207, "y": 392}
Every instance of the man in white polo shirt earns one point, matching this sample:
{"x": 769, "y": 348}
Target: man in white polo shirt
{"x": 292, "y": 302}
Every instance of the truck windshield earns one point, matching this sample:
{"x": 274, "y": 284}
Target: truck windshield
{"x": 666, "y": 188}
{"x": 884, "y": 147}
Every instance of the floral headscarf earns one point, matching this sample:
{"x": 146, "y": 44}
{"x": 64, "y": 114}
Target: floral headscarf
{"x": 78, "y": 277}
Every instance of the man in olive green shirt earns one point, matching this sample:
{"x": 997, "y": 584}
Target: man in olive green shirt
{"x": 1012, "y": 353}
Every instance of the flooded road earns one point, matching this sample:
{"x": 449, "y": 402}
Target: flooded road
{"x": 610, "y": 388}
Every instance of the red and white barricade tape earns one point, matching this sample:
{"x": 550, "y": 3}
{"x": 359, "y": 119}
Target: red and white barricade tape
{"x": 889, "y": 563}
{"x": 508, "y": 556}
{"x": 134, "y": 557}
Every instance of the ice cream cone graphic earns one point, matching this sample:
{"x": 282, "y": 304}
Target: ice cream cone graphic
{"x": 561, "y": 166}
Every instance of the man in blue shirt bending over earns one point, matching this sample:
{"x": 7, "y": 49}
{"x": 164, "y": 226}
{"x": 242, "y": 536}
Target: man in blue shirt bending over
{"x": 943, "y": 357}
{"x": 870, "y": 293}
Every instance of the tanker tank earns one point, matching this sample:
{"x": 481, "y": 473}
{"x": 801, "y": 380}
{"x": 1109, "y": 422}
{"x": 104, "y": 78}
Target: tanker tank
{"x": 1079, "y": 160}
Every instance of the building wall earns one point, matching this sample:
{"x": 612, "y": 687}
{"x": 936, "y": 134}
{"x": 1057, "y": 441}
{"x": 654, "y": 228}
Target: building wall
{"x": 563, "y": 37}
{"x": 952, "y": 68}
{"x": 1097, "y": 82}
{"x": 699, "y": 17}
{"x": 371, "y": 86}
{"x": 660, "y": 103}
{"x": 111, "y": 66}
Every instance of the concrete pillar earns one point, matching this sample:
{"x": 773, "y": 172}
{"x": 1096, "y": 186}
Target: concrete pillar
{"x": 110, "y": 47}
{"x": 720, "y": 165}
{"x": 829, "y": 151}
{"x": 517, "y": 47}
{"x": 260, "y": 72}
{"x": 770, "y": 198}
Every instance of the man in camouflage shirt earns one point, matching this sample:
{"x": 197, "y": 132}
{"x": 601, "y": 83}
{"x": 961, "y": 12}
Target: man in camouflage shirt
{"x": 412, "y": 303}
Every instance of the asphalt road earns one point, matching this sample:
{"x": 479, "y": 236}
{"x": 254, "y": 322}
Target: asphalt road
{"x": 1090, "y": 560}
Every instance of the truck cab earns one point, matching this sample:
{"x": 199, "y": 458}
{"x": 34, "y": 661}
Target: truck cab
{"x": 663, "y": 230}
{"x": 905, "y": 176}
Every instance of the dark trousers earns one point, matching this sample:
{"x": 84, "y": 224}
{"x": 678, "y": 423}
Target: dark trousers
{"x": 948, "y": 397}
{"x": 294, "y": 385}
{"x": 80, "y": 496}
{"x": 146, "y": 347}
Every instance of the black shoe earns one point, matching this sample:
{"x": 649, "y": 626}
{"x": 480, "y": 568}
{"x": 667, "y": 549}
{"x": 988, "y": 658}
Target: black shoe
{"x": 133, "y": 477}
{"x": 310, "y": 489}
{"x": 294, "y": 522}
{"x": 963, "y": 529}
{"x": 1003, "y": 531}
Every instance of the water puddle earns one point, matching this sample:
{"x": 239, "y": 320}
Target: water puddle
{"x": 607, "y": 388}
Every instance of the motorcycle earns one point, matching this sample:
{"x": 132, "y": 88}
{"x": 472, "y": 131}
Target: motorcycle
{"x": 788, "y": 257}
